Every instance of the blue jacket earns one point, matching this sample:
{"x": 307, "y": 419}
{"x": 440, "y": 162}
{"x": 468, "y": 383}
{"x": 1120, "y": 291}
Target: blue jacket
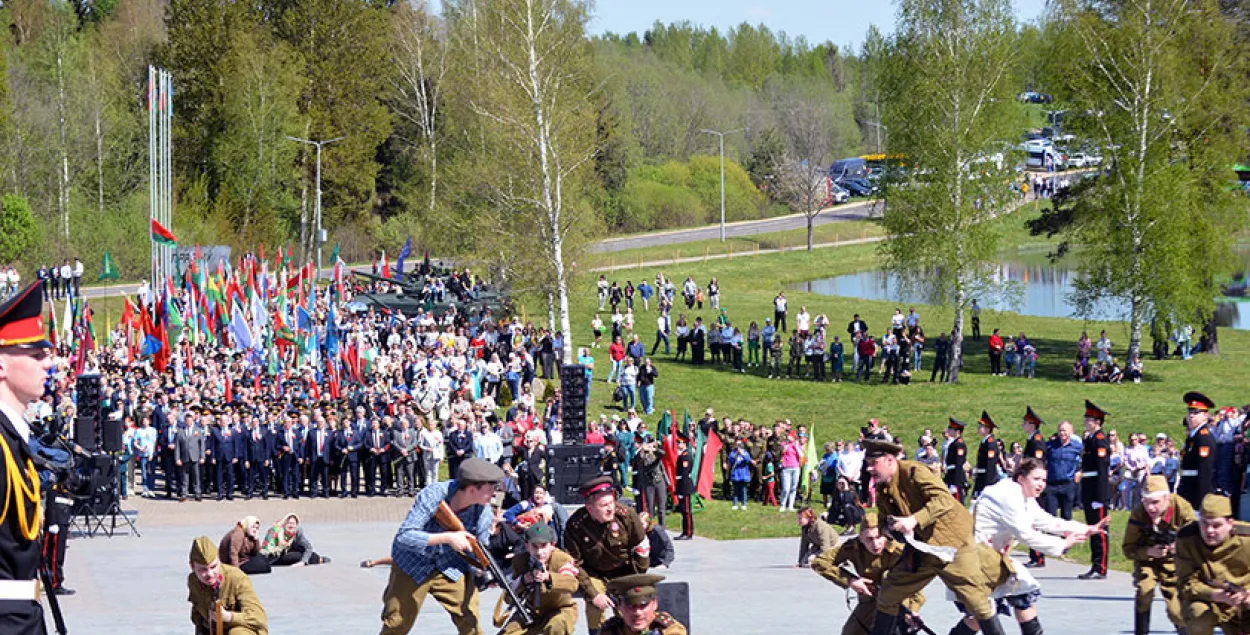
{"x": 739, "y": 465}
{"x": 1062, "y": 461}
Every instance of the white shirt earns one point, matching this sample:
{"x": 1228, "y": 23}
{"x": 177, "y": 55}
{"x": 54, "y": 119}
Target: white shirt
{"x": 1002, "y": 516}
{"x": 18, "y": 419}
{"x": 804, "y": 321}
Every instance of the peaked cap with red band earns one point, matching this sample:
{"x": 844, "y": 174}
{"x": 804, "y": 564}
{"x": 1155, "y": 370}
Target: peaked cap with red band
{"x": 1031, "y": 417}
{"x": 21, "y": 320}
{"x": 1094, "y": 412}
{"x": 1198, "y": 401}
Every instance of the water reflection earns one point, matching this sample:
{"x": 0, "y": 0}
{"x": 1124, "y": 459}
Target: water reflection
{"x": 1029, "y": 284}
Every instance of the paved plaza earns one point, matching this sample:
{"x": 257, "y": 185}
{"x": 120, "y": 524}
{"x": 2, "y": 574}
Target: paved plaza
{"x": 137, "y": 586}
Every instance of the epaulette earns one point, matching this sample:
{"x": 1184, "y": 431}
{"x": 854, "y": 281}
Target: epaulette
{"x": 1241, "y": 529}
{"x": 663, "y": 620}
{"x": 1188, "y": 531}
{"x": 1203, "y": 430}
{"x": 1099, "y": 435}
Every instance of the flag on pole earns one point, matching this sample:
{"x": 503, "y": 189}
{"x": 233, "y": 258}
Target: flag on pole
{"x": 666, "y": 434}
{"x": 163, "y": 236}
{"x": 707, "y": 464}
{"x": 403, "y": 253}
{"x": 108, "y": 268}
{"x": 810, "y": 460}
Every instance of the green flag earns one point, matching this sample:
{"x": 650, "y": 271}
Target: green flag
{"x": 108, "y": 268}
{"x": 334, "y": 255}
{"x": 666, "y": 424}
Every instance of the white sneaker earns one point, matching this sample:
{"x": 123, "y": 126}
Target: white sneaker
{"x": 735, "y": 508}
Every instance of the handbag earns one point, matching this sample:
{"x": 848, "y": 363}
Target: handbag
{"x": 618, "y": 394}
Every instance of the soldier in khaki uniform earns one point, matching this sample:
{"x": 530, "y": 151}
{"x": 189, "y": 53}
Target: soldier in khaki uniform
{"x": 546, "y": 580}
{"x": 914, "y": 502}
{"x": 870, "y": 554}
{"x": 607, "y": 541}
{"x": 1160, "y": 515}
{"x": 1213, "y": 567}
{"x": 211, "y": 581}
{"x": 635, "y": 597}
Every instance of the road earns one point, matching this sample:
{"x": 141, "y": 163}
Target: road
{"x": 851, "y": 211}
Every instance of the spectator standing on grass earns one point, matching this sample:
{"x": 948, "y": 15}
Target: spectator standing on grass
{"x": 602, "y": 289}
{"x": 739, "y": 473}
{"x": 791, "y": 461}
{"x": 941, "y": 349}
{"x": 628, "y": 383}
{"x": 803, "y": 322}
{"x": 616, "y": 353}
{"x": 596, "y": 326}
{"x": 636, "y": 350}
{"x": 996, "y": 353}
{"x": 713, "y": 294}
{"x": 77, "y": 276}
{"x": 585, "y": 360}
{"x": 976, "y": 320}
{"x": 661, "y": 333}
{"x": 645, "y": 291}
{"x": 647, "y": 375}
{"x": 1063, "y": 459}
{"x": 916, "y": 334}
{"x": 753, "y": 344}
{"x": 867, "y": 349}
{"x": 779, "y": 311}
{"x": 835, "y": 360}
{"x": 1104, "y": 348}
{"x": 774, "y": 357}
{"x": 67, "y": 279}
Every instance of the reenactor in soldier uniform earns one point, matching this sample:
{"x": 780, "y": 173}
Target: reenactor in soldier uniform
{"x": 1213, "y": 567}
{"x": 1150, "y": 543}
{"x": 607, "y": 541}
{"x": 546, "y": 581}
{"x": 25, "y": 359}
{"x": 953, "y": 473}
{"x": 636, "y": 601}
{"x": 916, "y": 505}
{"x": 869, "y": 556}
{"x": 989, "y": 454}
{"x": 1095, "y": 478}
{"x": 1198, "y": 457}
{"x": 1034, "y": 448}
{"x": 211, "y": 582}
{"x": 683, "y": 485}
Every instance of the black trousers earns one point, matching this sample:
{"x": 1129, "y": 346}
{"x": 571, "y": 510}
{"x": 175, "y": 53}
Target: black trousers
{"x": 21, "y": 616}
{"x": 262, "y": 475}
{"x": 289, "y": 475}
{"x": 1097, "y": 542}
{"x": 351, "y": 469}
{"x": 1059, "y": 498}
{"x": 372, "y": 463}
{"x": 170, "y": 467}
{"x": 319, "y": 481}
{"x": 996, "y": 362}
{"x": 256, "y": 566}
{"x": 56, "y": 535}
{"x": 687, "y": 515}
{"x": 225, "y": 479}
{"x": 779, "y": 320}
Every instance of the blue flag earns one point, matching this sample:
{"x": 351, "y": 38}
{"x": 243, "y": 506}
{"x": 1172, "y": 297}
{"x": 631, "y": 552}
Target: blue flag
{"x": 303, "y": 319}
{"x": 151, "y": 346}
{"x": 239, "y": 329}
{"x": 403, "y": 253}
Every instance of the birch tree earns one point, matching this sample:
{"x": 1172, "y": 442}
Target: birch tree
{"x": 1161, "y": 86}
{"x": 536, "y": 89}
{"x": 420, "y": 59}
{"x": 804, "y": 174}
{"x": 947, "y": 88}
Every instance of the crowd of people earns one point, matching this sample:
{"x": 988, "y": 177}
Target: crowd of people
{"x": 56, "y": 281}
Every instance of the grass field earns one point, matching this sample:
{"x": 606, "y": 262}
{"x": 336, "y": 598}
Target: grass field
{"x": 836, "y": 411}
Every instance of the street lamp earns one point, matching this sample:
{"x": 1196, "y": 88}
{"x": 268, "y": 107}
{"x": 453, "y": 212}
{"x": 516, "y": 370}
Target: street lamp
{"x": 722, "y": 173}
{"x": 317, "y": 213}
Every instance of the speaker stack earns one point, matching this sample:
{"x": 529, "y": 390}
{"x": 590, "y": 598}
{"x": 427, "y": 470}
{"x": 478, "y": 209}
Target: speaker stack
{"x": 568, "y": 466}
{"x": 573, "y": 408}
{"x": 87, "y": 422}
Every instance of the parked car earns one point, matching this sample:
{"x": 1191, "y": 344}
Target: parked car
{"x": 837, "y": 194}
{"x": 858, "y": 187}
{"x": 1078, "y": 160}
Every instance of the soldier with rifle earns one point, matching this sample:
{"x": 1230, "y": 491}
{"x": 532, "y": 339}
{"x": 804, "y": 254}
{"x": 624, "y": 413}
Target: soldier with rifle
{"x": 859, "y": 565}
{"x": 1213, "y": 567}
{"x": 545, "y": 581}
{"x": 1150, "y": 542}
{"x": 221, "y": 596}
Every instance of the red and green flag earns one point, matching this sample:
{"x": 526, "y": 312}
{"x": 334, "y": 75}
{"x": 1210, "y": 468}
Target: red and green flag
{"x": 163, "y": 236}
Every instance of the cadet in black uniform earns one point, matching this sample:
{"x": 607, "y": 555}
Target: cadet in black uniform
{"x": 1095, "y": 486}
{"x": 684, "y": 486}
{"x": 953, "y": 473}
{"x": 25, "y": 359}
{"x": 985, "y": 473}
{"x": 1198, "y": 457}
{"x": 1034, "y": 448}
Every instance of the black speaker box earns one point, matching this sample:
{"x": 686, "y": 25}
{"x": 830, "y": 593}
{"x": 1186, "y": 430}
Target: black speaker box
{"x": 111, "y": 435}
{"x": 568, "y": 466}
{"x": 674, "y": 599}
{"x": 85, "y": 433}
{"x": 88, "y": 389}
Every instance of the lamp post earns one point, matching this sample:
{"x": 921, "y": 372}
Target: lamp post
{"x": 722, "y": 173}
{"x": 317, "y": 213}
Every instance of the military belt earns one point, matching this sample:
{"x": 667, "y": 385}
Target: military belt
{"x": 1093, "y": 474}
{"x": 1189, "y": 472}
{"x": 19, "y": 590}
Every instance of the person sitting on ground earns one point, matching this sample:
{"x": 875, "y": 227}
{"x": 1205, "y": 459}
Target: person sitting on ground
{"x": 210, "y": 582}
{"x": 240, "y": 547}
{"x": 286, "y": 545}
{"x": 662, "y": 551}
{"x": 817, "y": 537}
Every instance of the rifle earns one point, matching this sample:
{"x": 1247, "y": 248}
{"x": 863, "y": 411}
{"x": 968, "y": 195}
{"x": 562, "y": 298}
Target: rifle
{"x": 911, "y": 622}
{"x": 1163, "y": 536}
{"x": 480, "y": 559}
{"x": 54, "y": 604}
{"x": 219, "y": 628}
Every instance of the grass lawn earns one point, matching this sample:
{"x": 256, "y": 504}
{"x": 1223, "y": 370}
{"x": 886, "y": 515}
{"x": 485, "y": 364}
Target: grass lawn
{"x": 742, "y": 245}
{"x": 836, "y": 411}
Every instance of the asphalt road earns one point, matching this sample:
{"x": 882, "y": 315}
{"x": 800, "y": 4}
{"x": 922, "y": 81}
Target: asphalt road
{"x": 850, "y": 211}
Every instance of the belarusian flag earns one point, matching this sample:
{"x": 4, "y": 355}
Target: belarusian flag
{"x": 162, "y": 236}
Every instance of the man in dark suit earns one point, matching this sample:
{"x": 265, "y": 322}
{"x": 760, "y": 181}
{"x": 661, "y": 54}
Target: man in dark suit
{"x": 289, "y": 453}
{"x": 225, "y": 457}
{"x": 377, "y": 444}
{"x": 348, "y": 440}
{"x": 25, "y": 359}
{"x": 459, "y": 446}
{"x": 317, "y": 451}
{"x": 167, "y": 441}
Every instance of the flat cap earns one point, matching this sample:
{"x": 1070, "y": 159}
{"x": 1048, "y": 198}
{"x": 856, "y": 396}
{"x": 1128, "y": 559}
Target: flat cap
{"x": 635, "y": 590}
{"x": 1216, "y": 506}
{"x": 540, "y": 534}
{"x": 203, "y": 551}
{"x": 475, "y": 470}
{"x": 874, "y": 448}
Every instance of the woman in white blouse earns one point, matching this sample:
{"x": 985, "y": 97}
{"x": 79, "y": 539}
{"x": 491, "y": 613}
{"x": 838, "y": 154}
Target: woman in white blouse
{"x": 430, "y": 440}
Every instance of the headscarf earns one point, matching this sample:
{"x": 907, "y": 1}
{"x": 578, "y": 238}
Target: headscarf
{"x": 248, "y": 521}
{"x": 277, "y": 539}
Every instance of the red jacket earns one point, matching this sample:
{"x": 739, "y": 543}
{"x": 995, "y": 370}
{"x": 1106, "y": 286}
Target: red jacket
{"x": 996, "y": 344}
{"x": 616, "y": 351}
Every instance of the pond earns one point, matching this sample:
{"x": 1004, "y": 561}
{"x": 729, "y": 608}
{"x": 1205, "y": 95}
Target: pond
{"x": 1039, "y": 288}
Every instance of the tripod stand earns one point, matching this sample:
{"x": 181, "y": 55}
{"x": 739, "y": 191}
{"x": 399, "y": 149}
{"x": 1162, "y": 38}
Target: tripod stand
{"x": 102, "y": 493}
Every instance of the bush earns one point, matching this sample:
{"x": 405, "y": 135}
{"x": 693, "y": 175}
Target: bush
{"x": 505, "y": 395}
{"x": 682, "y": 194}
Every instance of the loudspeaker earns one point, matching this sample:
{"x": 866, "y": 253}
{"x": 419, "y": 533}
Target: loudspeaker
{"x": 568, "y": 466}
{"x": 111, "y": 435}
{"x": 88, "y": 390}
{"x": 674, "y": 599}
{"x": 85, "y": 434}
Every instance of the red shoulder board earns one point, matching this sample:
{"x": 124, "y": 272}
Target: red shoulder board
{"x": 1098, "y": 435}
{"x": 1203, "y": 430}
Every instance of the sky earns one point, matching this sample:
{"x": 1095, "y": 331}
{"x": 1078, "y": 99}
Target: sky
{"x": 844, "y": 22}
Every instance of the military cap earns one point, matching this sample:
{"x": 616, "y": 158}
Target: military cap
{"x": 635, "y": 590}
{"x": 1216, "y": 506}
{"x": 475, "y": 470}
{"x": 596, "y": 486}
{"x": 21, "y": 320}
{"x": 1094, "y": 412}
{"x": 540, "y": 534}
{"x": 869, "y": 521}
{"x": 1156, "y": 485}
{"x": 986, "y": 421}
{"x": 682, "y": 436}
{"x": 874, "y": 448}
{"x": 1031, "y": 417}
{"x": 203, "y": 551}
{"x": 954, "y": 423}
{"x": 1195, "y": 400}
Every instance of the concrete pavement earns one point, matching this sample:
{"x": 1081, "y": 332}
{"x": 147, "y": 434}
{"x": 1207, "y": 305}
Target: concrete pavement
{"x": 137, "y": 586}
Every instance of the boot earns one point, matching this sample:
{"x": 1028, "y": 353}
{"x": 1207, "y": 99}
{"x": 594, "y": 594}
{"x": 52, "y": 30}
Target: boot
{"x": 962, "y": 628}
{"x": 883, "y": 624}
{"x": 1031, "y": 627}
{"x": 991, "y": 626}
{"x": 1141, "y": 622}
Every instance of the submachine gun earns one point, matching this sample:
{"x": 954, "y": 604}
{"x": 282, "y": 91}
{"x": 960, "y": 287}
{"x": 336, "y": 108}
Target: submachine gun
{"x": 910, "y": 624}
{"x": 481, "y": 559}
